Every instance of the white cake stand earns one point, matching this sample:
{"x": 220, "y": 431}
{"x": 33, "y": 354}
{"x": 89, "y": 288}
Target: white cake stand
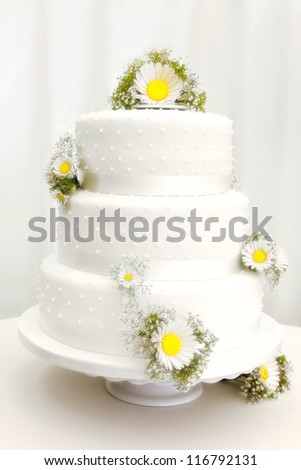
{"x": 126, "y": 378}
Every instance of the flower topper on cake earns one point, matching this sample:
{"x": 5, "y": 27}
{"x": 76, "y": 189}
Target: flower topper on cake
{"x": 264, "y": 256}
{"x": 158, "y": 80}
{"x": 176, "y": 349}
{"x": 63, "y": 171}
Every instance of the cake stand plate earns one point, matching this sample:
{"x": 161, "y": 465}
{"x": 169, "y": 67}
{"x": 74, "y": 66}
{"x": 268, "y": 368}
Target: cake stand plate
{"x": 126, "y": 378}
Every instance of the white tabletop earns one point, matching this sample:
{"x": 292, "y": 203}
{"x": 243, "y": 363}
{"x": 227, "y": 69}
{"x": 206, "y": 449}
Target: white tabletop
{"x": 45, "y": 407}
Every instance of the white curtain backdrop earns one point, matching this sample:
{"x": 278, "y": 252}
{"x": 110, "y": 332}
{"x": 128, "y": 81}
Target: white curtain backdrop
{"x": 61, "y": 58}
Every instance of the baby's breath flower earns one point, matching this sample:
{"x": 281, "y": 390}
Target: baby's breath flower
{"x": 130, "y": 275}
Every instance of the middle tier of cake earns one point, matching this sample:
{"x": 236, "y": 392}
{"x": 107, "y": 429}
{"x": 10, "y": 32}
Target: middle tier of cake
{"x": 185, "y": 238}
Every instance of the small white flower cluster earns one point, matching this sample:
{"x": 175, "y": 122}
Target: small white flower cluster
{"x": 63, "y": 170}
{"x": 264, "y": 256}
{"x": 129, "y": 98}
{"x": 130, "y": 276}
{"x": 176, "y": 349}
{"x": 66, "y": 148}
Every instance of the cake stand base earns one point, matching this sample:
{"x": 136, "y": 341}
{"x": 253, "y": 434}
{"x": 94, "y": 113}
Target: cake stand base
{"x": 151, "y": 394}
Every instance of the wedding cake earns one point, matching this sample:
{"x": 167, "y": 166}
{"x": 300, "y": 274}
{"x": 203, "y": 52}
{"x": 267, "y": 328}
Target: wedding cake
{"x": 154, "y": 266}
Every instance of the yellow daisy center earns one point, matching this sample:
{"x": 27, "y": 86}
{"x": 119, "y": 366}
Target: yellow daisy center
{"x": 64, "y": 168}
{"x": 259, "y": 256}
{"x": 171, "y": 344}
{"x": 157, "y": 90}
{"x": 264, "y": 373}
{"x": 60, "y": 197}
{"x": 128, "y": 277}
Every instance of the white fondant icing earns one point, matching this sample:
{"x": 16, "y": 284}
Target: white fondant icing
{"x": 170, "y": 185}
{"x": 163, "y": 141}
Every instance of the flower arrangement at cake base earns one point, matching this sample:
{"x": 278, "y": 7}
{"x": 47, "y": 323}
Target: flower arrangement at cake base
{"x": 176, "y": 350}
{"x": 266, "y": 381}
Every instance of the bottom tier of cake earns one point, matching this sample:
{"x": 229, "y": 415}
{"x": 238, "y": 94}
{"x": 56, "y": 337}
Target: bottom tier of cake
{"x": 84, "y": 310}
{"x": 127, "y": 377}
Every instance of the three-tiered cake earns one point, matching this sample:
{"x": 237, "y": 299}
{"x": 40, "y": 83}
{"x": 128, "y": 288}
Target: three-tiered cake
{"x": 153, "y": 272}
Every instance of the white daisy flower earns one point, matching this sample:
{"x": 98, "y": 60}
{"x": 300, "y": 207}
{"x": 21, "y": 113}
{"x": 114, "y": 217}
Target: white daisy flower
{"x": 128, "y": 277}
{"x": 63, "y": 167}
{"x": 60, "y": 197}
{"x": 258, "y": 254}
{"x": 176, "y": 344}
{"x": 157, "y": 83}
{"x": 130, "y": 273}
{"x": 281, "y": 261}
{"x": 269, "y": 375}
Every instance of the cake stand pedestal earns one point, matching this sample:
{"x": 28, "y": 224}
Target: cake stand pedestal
{"x": 150, "y": 394}
{"x": 126, "y": 377}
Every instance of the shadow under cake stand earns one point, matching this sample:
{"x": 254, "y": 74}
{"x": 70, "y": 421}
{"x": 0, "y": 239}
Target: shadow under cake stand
{"x": 126, "y": 378}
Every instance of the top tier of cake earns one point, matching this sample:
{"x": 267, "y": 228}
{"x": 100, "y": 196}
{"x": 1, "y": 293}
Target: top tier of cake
{"x": 155, "y": 152}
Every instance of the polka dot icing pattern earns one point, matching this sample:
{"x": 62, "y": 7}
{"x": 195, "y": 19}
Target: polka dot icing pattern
{"x": 172, "y": 152}
{"x": 92, "y": 320}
